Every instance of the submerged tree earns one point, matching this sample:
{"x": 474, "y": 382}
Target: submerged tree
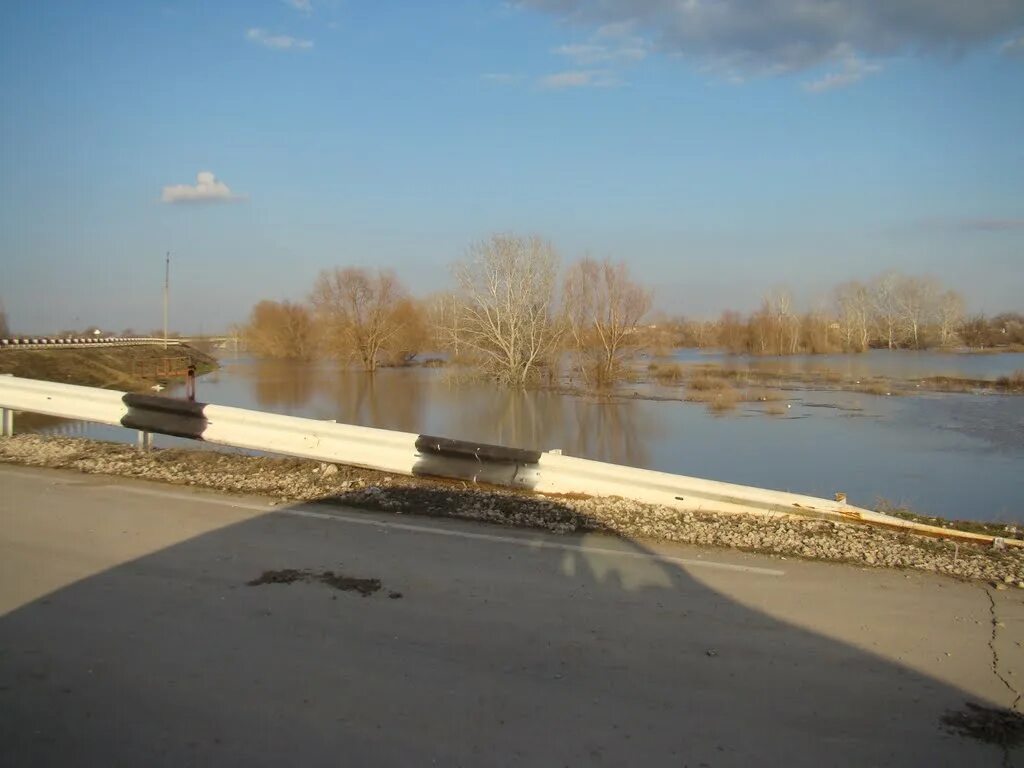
{"x": 360, "y": 313}
{"x": 603, "y": 308}
{"x": 281, "y": 330}
{"x": 503, "y": 309}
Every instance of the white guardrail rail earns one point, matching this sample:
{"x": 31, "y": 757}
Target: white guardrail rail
{"x": 410, "y": 454}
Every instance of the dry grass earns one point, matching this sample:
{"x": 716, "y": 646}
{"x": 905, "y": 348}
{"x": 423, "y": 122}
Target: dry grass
{"x": 882, "y": 388}
{"x": 106, "y": 367}
{"x": 718, "y": 399}
{"x": 666, "y": 373}
{"x": 1012, "y": 383}
{"x": 707, "y": 384}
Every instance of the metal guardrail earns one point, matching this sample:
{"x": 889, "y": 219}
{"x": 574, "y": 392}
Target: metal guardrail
{"x": 410, "y": 454}
{"x": 40, "y": 342}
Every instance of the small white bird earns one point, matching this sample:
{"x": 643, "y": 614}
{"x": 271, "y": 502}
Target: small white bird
{"x": 157, "y": 387}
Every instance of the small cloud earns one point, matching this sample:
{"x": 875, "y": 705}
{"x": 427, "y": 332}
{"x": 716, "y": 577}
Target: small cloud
{"x": 501, "y": 78}
{"x": 207, "y": 189}
{"x": 991, "y": 225}
{"x": 1014, "y": 47}
{"x": 580, "y": 78}
{"x": 302, "y": 6}
{"x": 854, "y": 69}
{"x": 277, "y": 42}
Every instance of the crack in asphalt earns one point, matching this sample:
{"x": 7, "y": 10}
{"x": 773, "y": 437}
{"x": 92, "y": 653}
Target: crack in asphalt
{"x": 995, "y": 653}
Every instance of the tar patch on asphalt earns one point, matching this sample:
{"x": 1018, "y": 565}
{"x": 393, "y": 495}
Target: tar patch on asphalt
{"x": 992, "y": 725}
{"x": 364, "y": 587}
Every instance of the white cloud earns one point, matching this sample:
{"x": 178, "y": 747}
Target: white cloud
{"x": 277, "y": 42}
{"x": 853, "y": 70}
{"x": 580, "y": 78}
{"x": 302, "y": 6}
{"x": 207, "y": 189}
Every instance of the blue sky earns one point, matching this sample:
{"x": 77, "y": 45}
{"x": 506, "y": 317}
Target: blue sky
{"x": 721, "y": 149}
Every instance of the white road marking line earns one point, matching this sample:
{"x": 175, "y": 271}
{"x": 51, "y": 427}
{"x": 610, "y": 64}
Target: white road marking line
{"x": 302, "y": 511}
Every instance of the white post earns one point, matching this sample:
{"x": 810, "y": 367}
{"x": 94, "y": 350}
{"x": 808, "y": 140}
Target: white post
{"x": 7, "y": 418}
{"x": 167, "y": 290}
{"x": 144, "y": 441}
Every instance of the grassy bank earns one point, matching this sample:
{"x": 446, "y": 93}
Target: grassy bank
{"x": 131, "y": 369}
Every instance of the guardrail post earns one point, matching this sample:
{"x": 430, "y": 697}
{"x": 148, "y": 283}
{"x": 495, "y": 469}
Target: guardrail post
{"x": 6, "y": 418}
{"x": 144, "y": 442}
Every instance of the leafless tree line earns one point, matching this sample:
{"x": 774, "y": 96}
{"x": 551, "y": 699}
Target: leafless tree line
{"x": 508, "y": 315}
{"x": 515, "y": 315}
{"x": 892, "y": 310}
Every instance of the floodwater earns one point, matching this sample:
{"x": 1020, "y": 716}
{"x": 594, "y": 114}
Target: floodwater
{"x": 953, "y": 455}
{"x": 895, "y": 364}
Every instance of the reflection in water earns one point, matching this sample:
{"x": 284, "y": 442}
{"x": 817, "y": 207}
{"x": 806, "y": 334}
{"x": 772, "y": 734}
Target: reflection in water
{"x": 412, "y": 400}
{"x": 281, "y": 385}
{"x": 372, "y": 399}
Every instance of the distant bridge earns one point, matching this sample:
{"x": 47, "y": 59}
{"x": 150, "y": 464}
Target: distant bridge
{"x": 49, "y": 342}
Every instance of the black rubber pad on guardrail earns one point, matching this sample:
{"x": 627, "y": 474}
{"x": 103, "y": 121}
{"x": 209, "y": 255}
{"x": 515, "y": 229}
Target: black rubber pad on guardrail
{"x": 165, "y": 415}
{"x": 465, "y": 449}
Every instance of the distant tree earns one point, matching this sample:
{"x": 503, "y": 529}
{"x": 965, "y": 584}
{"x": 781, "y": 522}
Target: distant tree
{"x": 886, "y": 311}
{"x": 361, "y": 313}
{"x": 280, "y": 330}
{"x": 949, "y": 316}
{"x": 504, "y": 308}
{"x": 853, "y": 300}
{"x": 603, "y": 308}
{"x": 916, "y": 300}
{"x": 976, "y": 332}
{"x": 1010, "y": 327}
{"x": 413, "y": 334}
{"x": 733, "y": 333}
{"x": 5, "y": 329}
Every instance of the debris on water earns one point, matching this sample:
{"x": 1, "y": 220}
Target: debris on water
{"x": 993, "y": 725}
{"x": 364, "y": 587}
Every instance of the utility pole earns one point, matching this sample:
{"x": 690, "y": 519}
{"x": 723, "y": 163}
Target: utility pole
{"x": 167, "y": 289}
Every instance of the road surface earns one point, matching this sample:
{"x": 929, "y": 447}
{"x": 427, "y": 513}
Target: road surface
{"x": 129, "y": 636}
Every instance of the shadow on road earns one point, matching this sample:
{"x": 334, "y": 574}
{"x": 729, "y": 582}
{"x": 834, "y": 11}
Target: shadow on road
{"x": 483, "y": 646}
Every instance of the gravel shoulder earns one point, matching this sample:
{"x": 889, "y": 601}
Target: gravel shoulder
{"x": 286, "y": 480}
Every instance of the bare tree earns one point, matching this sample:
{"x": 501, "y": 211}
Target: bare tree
{"x": 949, "y": 316}
{"x": 359, "y": 312}
{"x": 280, "y": 330}
{"x": 854, "y": 304}
{"x": 915, "y": 299}
{"x": 603, "y": 308}
{"x": 504, "y": 309}
{"x": 885, "y": 308}
{"x": 5, "y": 329}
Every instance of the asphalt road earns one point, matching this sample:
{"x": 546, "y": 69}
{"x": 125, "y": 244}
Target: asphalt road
{"x": 129, "y": 636}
